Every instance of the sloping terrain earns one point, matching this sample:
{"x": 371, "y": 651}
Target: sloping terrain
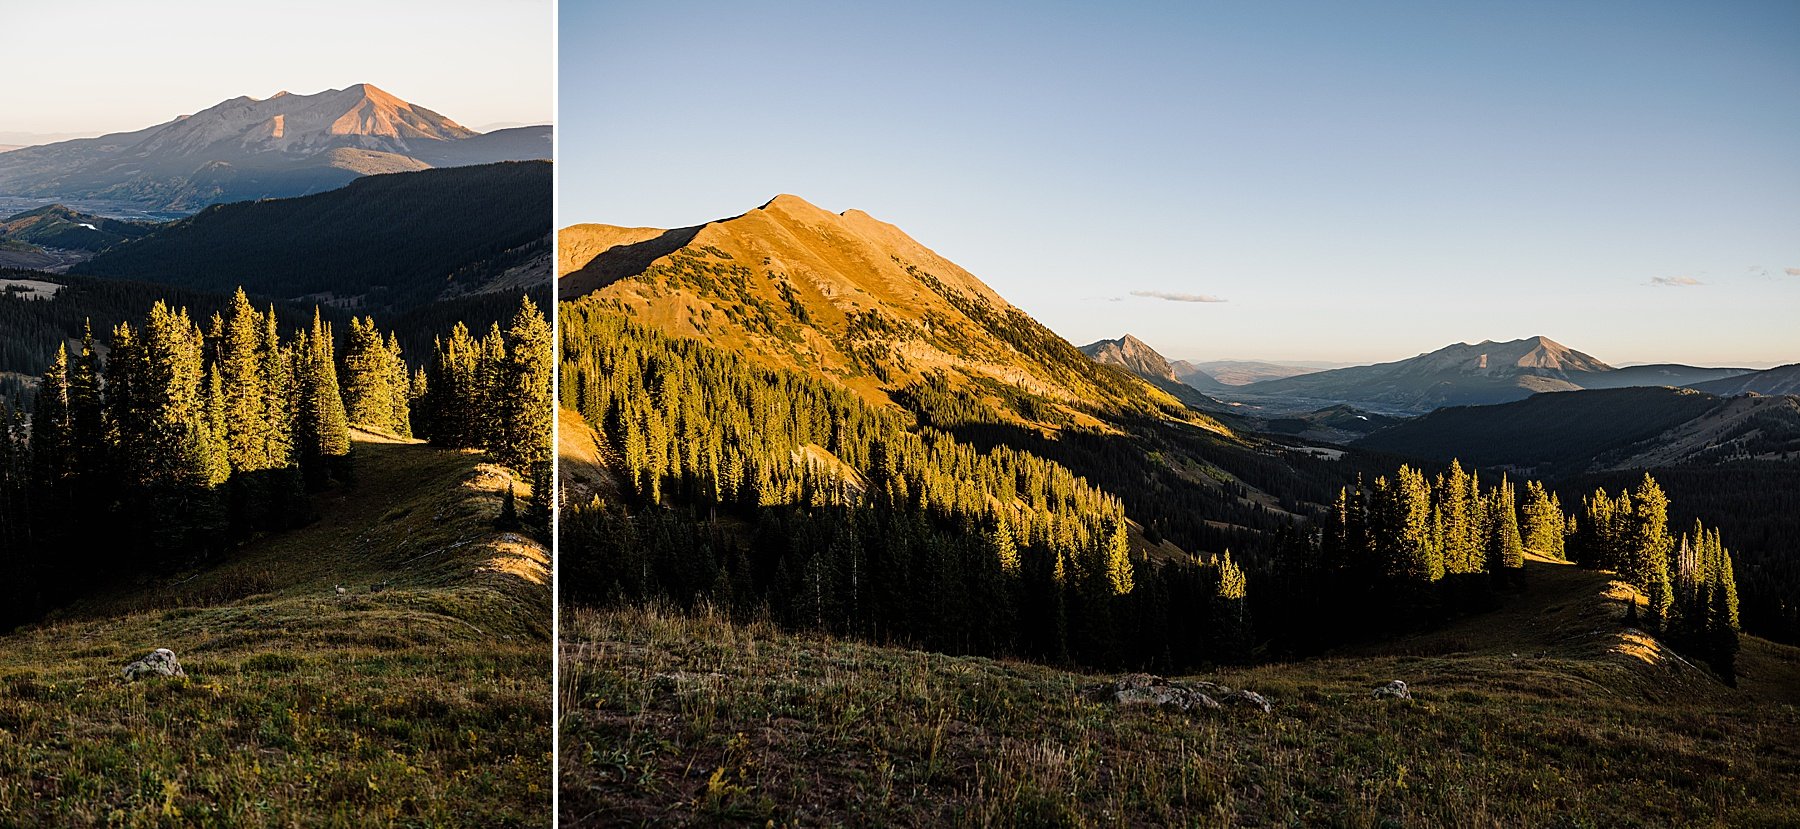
{"x": 1661, "y": 374}
{"x": 56, "y": 226}
{"x": 846, "y": 295}
{"x": 1552, "y": 435}
{"x": 1778, "y": 380}
{"x": 246, "y": 148}
{"x": 1547, "y": 712}
{"x": 418, "y": 694}
{"x": 383, "y": 243}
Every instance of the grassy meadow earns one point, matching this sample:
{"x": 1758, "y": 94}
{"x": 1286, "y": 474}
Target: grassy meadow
{"x": 1547, "y": 712}
{"x": 419, "y": 696}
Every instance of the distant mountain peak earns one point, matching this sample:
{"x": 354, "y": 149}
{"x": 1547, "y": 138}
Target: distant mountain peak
{"x": 1132, "y": 354}
{"x": 245, "y": 148}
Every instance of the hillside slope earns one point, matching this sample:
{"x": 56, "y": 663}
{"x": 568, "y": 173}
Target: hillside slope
{"x": 846, "y": 295}
{"x": 1778, "y": 380}
{"x": 383, "y": 243}
{"x": 1552, "y": 435}
{"x": 1547, "y": 712}
{"x": 417, "y": 696}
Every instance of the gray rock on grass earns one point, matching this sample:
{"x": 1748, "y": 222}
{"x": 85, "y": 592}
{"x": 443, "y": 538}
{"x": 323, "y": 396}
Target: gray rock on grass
{"x": 161, "y": 662}
{"x": 1148, "y": 690}
{"x": 1393, "y": 690}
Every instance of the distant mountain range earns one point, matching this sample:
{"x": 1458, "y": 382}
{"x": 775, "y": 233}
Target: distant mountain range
{"x": 1464, "y": 374}
{"x": 245, "y": 148}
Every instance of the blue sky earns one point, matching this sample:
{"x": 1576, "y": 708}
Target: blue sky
{"x": 95, "y": 66}
{"x": 1356, "y": 183}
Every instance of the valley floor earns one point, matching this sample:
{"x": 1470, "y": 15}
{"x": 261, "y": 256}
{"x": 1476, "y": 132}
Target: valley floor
{"x": 1547, "y": 712}
{"x": 418, "y": 696}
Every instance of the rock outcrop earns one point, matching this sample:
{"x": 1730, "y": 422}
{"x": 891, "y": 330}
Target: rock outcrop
{"x": 161, "y": 662}
{"x": 1393, "y": 690}
{"x": 1146, "y": 689}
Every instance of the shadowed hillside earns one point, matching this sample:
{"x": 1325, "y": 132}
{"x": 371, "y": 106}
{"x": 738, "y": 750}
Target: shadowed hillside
{"x": 382, "y": 244}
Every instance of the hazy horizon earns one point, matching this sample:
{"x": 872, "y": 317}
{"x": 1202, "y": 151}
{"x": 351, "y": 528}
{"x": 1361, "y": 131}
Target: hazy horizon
{"x": 1309, "y": 183}
{"x": 126, "y": 66}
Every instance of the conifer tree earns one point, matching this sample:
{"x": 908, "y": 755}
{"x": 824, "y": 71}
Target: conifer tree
{"x": 368, "y": 373}
{"x": 87, "y": 426}
{"x": 522, "y": 394}
{"x": 278, "y": 396}
{"x": 321, "y": 427}
{"x": 400, "y": 392}
{"x": 1650, "y": 545}
{"x": 1506, "y": 549}
{"x": 1118, "y": 556}
{"x": 51, "y": 432}
{"x": 242, "y": 374}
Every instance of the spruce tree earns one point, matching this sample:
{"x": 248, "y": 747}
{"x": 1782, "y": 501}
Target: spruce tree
{"x": 368, "y": 373}
{"x": 1650, "y": 545}
{"x": 321, "y": 427}
{"x": 521, "y": 395}
{"x": 52, "y": 434}
{"x": 242, "y": 374}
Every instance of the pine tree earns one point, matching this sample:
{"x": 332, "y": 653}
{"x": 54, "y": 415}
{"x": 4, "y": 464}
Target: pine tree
{"x": 1118, "y": 556}
{"x": 1544, "y": 525}
{"x": 242, "y": 374}
{"x": 1650, "y": 545}
{"x": 321, "y": 428}
{"x": 87, "y": 425}
{"x": 1506, "y": 549}
{"x": 368, "y": 373}
{"x": 522, "y": 392}
{"x": 399, "y": 389}
{"x": 52, "y": 434}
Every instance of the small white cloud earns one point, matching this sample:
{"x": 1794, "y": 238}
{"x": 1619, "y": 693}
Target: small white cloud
{"x": 1172, "y": 297}
{"x": 1674, "y": 282}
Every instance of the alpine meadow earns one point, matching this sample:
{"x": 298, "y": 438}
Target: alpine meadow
{"x": 276, "y": 448}
{"x": 849, "y": 535}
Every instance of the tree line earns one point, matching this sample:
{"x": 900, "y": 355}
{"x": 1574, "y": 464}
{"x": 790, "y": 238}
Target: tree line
{"x": 1425, "y": 548}
{"x": 185, "y": 438}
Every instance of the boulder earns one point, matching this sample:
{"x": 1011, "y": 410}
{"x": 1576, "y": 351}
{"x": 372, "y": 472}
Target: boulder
{"x": 1145, "y": 689}
{"x": 1393, "y": 690}
{"x": 161, "y": 662}
{"x": 1250, "y": 698}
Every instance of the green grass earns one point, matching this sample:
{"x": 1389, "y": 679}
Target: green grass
{"x": 425, "y": 703}
{"x": 673, "y": 719}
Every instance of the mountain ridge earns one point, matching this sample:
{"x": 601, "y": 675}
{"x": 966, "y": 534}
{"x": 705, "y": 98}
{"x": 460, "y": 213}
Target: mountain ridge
{"x": 795, "y": 285}
{"x": 246, "y": 148}
{"x": 1462, "y": 374}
